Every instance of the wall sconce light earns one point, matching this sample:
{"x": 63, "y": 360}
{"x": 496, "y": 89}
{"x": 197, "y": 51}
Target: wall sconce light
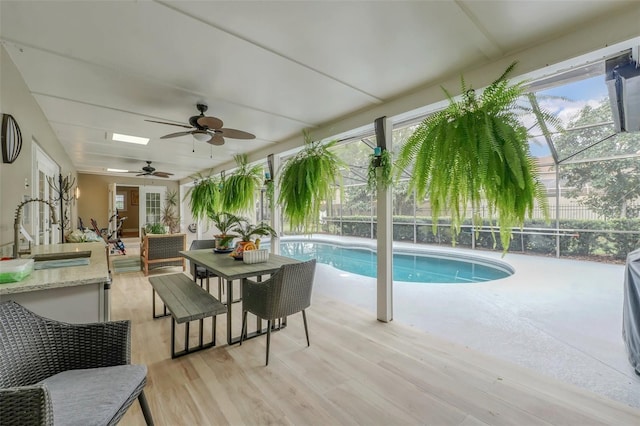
{"x": 77, "y": 194}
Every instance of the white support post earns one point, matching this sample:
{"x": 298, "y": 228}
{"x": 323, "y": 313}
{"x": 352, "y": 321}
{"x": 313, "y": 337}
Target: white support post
{"x": 384, "y": 234}
{"x": 276, "y": 211}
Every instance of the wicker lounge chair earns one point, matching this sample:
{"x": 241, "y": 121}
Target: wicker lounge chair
{"x": 287, "y": 292}
{"x": 160, "y": 250}
{"x": 66, "y": 374}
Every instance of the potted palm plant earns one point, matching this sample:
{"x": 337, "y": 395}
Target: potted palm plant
{"x": 238, "y": 190}
{"x": 224, "y": 222}
{"x": 476, "y": 151}
{"x": 307, "y": 181}
{"x": 169, "y": 216}
{"x": 246, "y": 230}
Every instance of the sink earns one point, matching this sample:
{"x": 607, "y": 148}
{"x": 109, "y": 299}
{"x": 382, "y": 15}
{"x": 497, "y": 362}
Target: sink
{"x": 61, "y": 260}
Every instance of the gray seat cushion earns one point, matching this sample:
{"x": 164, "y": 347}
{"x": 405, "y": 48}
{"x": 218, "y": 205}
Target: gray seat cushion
{"x": 92, "y": 396}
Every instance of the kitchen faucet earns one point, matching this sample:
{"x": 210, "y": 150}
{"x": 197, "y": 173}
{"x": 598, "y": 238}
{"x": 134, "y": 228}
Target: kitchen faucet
{"x": 18, "y": 219}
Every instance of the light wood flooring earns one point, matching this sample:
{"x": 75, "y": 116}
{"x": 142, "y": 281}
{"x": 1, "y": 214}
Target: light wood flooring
{"x": 356, "y": 371}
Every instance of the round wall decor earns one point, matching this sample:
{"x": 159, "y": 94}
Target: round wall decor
{"x": 11, "y": 139}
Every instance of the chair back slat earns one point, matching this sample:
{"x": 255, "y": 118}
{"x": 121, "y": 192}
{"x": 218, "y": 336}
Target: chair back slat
{"x": 292, "y": 289}
{"x": 199, "y": 271}
{"x": 202, "y": 244}
{"x": 25, "y": 338}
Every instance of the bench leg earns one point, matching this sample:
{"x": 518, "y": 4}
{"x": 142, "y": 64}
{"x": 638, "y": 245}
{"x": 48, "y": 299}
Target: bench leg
{"x": 146, "y": 412}
{"x": 201, "y": 345}
{"x": 153, "y": 306}
{"x": 173, "y": 338}
{"x": 186, "y": 337}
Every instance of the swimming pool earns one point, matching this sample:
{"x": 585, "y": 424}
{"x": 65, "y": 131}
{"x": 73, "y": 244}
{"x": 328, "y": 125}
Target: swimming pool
{"x": 432, "y": 267}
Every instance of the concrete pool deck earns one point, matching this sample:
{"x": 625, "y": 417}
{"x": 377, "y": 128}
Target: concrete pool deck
{"x": 562, "y": 318}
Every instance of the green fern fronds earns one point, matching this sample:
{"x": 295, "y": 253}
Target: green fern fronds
{"x": 204, "y": 196}
{"x": 380, "y": 171}
{"x": 474, "y": 151}
{"x": 307, "y": 180}
{"x": 238, "y": 192}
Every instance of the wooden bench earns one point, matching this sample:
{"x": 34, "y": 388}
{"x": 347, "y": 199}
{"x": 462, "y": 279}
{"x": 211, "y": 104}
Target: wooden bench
{"x": 186, "y": 302}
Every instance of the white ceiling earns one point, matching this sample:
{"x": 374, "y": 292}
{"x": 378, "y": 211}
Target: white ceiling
{"x": 269, "y": 68}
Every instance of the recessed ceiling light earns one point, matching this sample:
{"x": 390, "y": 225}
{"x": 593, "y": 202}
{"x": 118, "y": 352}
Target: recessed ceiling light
{"x": 117, "y": 170}
{"x": 130, "y": 139}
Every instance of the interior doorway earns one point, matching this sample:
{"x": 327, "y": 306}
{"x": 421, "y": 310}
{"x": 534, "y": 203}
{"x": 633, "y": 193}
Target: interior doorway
{"x": 42, "y": 229}
{"x": 127, "y": 203}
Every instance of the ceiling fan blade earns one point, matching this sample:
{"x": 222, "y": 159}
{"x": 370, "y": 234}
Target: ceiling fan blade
{"x": 171, "y": 124}
{"x": 175, "y": 135}
{"x": 142, "y": 174}
{"x": 210, "y": 122}
{"x": 216, "y": 140}
{"x": 235, "y": 134}
{"x": 162, "y": 174}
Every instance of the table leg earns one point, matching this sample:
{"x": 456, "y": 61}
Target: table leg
{"x": 229, "y": 305}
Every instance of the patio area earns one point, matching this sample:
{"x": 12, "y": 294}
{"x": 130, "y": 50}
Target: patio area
{"x": 561, "y": 318}
{"x": 493, "y": 353}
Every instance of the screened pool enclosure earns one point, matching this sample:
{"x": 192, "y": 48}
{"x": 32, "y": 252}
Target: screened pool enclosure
{"x": 591, "y": 172}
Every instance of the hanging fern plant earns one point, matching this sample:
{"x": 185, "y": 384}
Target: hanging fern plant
{"x": 307, "y": 180}
{"x": 380, "y": 171}
{"x": 204, "y": 197}
{"x": 476, "y": 150}
{"x": 270, "y": 190}
{"x": 238, "y": 192}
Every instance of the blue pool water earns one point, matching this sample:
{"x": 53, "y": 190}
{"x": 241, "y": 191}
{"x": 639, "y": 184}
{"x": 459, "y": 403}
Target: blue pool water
{"x": 420, "y": 268}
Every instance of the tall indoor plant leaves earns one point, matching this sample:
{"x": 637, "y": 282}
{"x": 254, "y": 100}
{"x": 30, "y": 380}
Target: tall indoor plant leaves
{"x": 474, "y": 151}
{"x": 238, "y": 193}
{"x": 307, "y": 180}
{"x": 169, "y": 215}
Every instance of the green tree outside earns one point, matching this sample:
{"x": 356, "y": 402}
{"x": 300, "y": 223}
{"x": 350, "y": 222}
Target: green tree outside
{"x": 607, "y": 185}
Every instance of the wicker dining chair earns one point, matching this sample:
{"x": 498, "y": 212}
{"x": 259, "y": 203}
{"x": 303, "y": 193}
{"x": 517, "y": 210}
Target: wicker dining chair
{"x": 285, "y": 293}
{"x": 200, "y": 272}
{"x": 66, "y": 374}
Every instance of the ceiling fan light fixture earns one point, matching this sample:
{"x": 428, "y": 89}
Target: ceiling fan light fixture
{"x": 201, "y": 136}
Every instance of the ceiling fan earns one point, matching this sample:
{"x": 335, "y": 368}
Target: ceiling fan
{"x": 206, "y": 129}
{"x": 148, "y": 170}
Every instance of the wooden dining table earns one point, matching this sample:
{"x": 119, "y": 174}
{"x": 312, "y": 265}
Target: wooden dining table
{"x": 230, "y": 269}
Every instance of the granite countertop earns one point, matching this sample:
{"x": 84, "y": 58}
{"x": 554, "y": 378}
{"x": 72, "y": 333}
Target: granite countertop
{"x": 96, "y": 272}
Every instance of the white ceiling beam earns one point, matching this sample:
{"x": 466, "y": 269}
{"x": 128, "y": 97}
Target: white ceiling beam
{"x": 483, "y": 39}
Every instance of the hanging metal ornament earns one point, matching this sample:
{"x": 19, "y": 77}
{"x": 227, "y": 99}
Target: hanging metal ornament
{"x": 11, "y": 139}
